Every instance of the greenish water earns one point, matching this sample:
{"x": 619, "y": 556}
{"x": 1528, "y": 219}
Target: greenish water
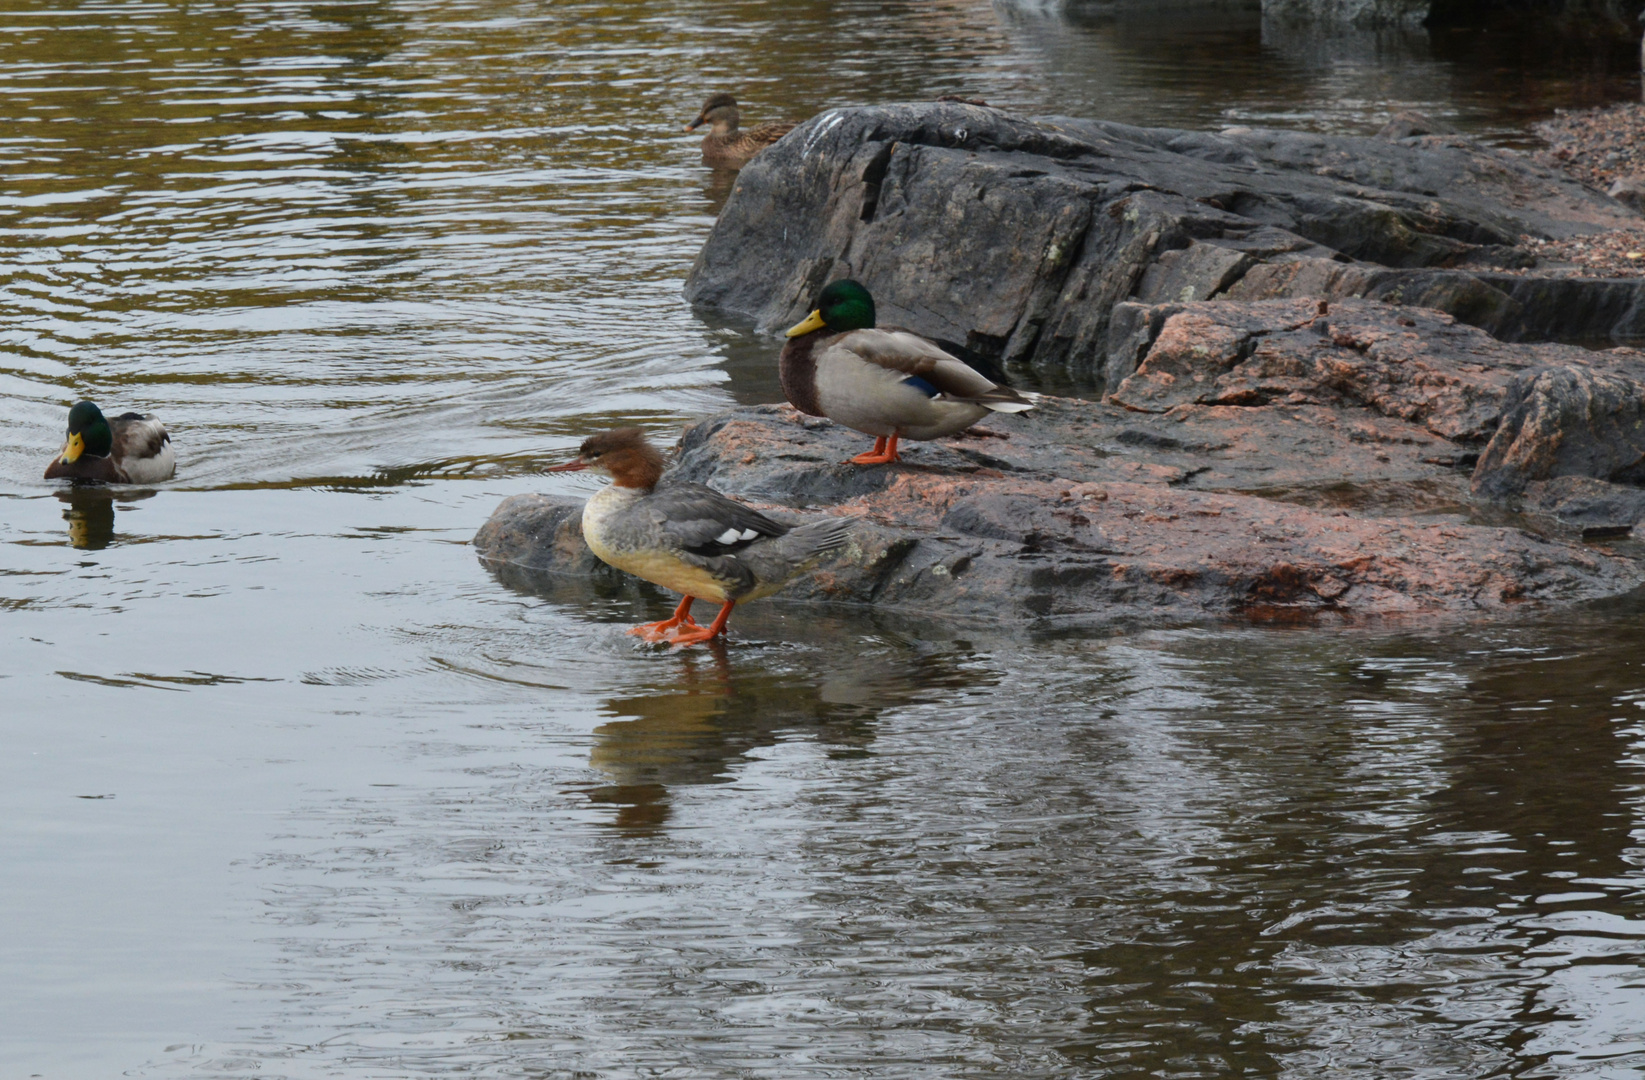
{"x": 293, "y": 787}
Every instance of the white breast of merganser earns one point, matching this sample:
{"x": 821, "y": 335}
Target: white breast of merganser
{"x": 604, "y": 527}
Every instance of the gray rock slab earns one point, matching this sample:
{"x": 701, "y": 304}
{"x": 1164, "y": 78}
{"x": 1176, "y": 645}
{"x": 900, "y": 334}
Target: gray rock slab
{"x": 1019, "y": 237}
{"x": 970, "y": 543}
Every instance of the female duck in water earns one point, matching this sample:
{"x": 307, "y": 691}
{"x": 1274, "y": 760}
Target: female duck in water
{"x": 688, "y": 537}
{"x": 727, "y": 147}
{"x": 132, "y": 449}
{"x": 889, "y": 383}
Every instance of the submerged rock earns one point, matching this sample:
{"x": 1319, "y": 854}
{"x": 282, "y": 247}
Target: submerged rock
{"x": 1018, "y": 238}
{"x": 1253, "y": 458}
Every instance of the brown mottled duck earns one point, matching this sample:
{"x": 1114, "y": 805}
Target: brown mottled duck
{"x": 726, "y": 146}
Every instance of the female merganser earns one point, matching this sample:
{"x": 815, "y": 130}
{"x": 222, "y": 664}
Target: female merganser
{"x": 687, "y": 537}
{"x": 132, "y": 449}
{"x": 890, "y": 383}
{"x": 725, "y": 147}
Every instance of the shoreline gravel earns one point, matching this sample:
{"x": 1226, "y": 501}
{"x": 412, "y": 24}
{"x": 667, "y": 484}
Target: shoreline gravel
{"x": 1603, "y": 148}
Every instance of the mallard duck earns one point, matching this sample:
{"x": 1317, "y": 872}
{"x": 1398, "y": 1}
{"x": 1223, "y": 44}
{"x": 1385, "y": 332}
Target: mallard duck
{"x": 131, "y": 449}
{"x": 687, "y": 537}
{"x": 887, "y": 382}
{"x": 726, "y": 147}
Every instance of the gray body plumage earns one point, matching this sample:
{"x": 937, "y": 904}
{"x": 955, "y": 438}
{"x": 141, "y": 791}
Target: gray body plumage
{"x": 698, "y": 542}
{"x": 889, "y": 381}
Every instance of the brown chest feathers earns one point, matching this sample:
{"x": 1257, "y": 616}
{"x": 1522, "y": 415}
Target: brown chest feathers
{"x": 797, "y": 367}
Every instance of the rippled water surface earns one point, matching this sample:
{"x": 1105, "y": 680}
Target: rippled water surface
{"x": 293, "y": 787}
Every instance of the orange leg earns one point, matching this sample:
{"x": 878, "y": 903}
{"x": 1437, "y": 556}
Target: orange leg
{"x": 659, "y": 631}
{"x": 884, "y": 453}
{"x": 703, "y": 633}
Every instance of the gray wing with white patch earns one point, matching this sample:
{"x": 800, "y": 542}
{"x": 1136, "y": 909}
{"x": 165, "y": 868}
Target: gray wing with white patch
{"x": 700, "y": 521}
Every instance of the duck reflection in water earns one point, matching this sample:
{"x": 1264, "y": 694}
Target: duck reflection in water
{"x": 694, "y": 720}
{"x": 696, "y": 725}
{"x": 90, "y": 514}
{"x": 717, "y": 187}
{"x": 666, "y": 739}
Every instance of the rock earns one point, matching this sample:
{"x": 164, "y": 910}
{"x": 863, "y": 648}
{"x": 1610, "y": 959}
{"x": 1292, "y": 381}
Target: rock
{"x": 1528, "y": 413}
{"x": 978, "y": 543}
{"x": 1406, "y": 363}
{"x": 1410, "y": 124}
{"x": 1196, "y": 272}
{"x": 1629, "y": 190}
{"x": 1510, "y": 307}
{"x": 1254, "y": 458}
{"x": 1419, "y": 366}
{"x": 1019, "y": 238}
{"x": 1594, "y": 506}
{"x": 1414, "y": 14}
{"x": 1570, "y": 420}
{"x": 541, "y": 533}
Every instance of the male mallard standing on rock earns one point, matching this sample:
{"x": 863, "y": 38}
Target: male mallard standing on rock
{"x": 132, "y": 449}
{"x": 687, "y": 537}
{"x": 889, "y": 383}
{"x": 725, "y": 147}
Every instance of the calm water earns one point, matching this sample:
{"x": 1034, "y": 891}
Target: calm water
{"x": 292, "y": 787}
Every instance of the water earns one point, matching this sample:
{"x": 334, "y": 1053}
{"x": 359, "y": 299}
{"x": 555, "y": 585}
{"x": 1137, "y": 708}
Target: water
{"x": 294, "y": 787}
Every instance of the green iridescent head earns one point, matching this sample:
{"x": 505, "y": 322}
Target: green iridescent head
{"x": 843, "y": 305}
{"x": 89, "y": 433}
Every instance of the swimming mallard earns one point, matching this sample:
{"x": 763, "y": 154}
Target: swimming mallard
{"x": 725, "y": 147}
{"x": 887, "y": 382}
{"x": 130, "y": 449}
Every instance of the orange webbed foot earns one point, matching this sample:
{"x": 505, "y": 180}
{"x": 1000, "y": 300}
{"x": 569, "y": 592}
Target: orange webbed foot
{"x": 696, "y": 635}
{"x": 666, "y": 629}
{"x": 655, "y": 632}
{"x": 884, "y": 453}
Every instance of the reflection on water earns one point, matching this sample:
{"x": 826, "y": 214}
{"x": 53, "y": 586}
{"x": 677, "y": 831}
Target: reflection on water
{"x": 1490, "y": 75}
{"x": 89, "y": 511}
{"x": 379, "y": 812}
{"x": 1186, "y": 853}
{"x": 697, "y": 719}
{"x": 90, "y": 515}
{"x": 693, "y": 729}
{"x": 717, "y": 185}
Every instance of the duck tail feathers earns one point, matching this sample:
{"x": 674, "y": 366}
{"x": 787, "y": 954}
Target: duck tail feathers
{"x": 776, "y": 560}
{"x": 1006, "y": 400}
{"x": 821, "y": 537}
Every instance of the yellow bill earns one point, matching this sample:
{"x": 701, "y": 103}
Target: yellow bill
{"x": 74, "y": 448}
{"x": 813, "y": 321}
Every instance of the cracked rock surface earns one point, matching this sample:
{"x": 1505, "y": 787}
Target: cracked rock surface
{"x": 1019, "y": 237}
{"x": 1255, "y": 458}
